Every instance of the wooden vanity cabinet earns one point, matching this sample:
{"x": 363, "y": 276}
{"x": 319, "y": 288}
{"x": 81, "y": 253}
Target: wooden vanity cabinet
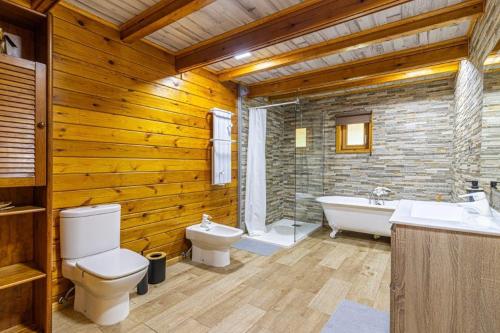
{"x": 444, "y": 281}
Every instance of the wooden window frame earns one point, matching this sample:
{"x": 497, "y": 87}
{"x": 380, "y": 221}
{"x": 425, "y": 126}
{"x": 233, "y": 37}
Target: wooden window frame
{"x": 341, "y": 140}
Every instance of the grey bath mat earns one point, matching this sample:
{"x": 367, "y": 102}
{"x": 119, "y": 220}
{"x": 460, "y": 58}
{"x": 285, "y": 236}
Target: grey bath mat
{"x": 351, "y": 317}
{"x": 257, "y": 247}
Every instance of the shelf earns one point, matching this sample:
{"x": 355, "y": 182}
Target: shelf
{"x": 17, "y": 274}
{"x": 21, "y": 328}
{"x": 21, "y": 210}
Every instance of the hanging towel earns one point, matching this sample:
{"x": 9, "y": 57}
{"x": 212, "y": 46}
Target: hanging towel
{"x": 221, "y": 148}
{"x": 255, "y": 198}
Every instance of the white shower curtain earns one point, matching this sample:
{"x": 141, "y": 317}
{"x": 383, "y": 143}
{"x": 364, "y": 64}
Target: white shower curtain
{"x": 255, "y": 198}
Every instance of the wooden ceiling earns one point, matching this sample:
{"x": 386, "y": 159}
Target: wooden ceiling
{"x": 297, "y": 46}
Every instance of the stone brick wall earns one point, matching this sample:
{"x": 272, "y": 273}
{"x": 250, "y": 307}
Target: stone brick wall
{"x": 412, "y": 140}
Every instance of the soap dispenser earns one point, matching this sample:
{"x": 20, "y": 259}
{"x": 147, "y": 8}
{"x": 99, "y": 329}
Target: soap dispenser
{"x": 474, "y": 188}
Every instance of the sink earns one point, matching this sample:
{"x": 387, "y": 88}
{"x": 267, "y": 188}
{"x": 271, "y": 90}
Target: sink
{"x": 437, "y": 211}
{"x": 445, "y": 215}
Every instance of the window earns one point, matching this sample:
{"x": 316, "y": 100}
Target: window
{"x": 300, "y": 137}
{"x": 354, "y": 133}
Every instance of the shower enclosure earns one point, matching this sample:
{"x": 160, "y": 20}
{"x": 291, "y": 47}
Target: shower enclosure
{"x": 292, "y": 155}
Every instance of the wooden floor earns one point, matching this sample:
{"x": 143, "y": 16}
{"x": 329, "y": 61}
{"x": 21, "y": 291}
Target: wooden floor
{"x": 296, "y": 290}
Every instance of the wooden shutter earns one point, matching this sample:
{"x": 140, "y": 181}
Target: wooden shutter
{"x": 22, "y": 122}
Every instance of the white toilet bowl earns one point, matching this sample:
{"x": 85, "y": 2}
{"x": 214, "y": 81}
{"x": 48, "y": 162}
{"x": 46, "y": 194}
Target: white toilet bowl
{"x": 103, "y": 282}
{"x": 102, "y": 272}
{"x": 211, "y": 246}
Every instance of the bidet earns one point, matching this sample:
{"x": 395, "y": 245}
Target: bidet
{"x": 211, "y": 245}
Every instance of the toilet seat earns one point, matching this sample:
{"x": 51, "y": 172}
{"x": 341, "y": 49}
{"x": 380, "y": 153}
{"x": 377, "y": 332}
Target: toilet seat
{"x": 114, "y": 264}
{"x": 103, "y": 281}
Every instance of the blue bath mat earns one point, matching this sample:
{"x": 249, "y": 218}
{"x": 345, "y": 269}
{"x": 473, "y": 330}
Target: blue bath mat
{"x": 257, "y": 247}
{"x": 351, "y": 317}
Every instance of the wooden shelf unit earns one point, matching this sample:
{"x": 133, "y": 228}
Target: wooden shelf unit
{"x": 21, "y": 328}
{"x": 16, "y": 274}
{"x": 22, "y": 210}
{"x": 25, "y": 142}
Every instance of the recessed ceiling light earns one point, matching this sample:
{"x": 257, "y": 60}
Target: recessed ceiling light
{"x": 242, "y": 55}
{"x": 492, "y": 59}
{"x": 419, "y": 72}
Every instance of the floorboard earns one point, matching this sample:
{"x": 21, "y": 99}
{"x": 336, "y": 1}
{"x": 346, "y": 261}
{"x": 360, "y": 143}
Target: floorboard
{"x": 295, "y": 290}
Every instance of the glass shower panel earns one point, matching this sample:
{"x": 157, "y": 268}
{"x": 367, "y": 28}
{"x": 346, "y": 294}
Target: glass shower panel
{"x": 309, "y": 170}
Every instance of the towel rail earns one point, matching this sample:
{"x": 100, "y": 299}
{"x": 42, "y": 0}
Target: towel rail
{"x": 232, "y": 141}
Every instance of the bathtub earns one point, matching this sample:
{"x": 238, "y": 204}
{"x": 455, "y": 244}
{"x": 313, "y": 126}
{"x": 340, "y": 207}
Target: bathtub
{"x": 357, "y": 214}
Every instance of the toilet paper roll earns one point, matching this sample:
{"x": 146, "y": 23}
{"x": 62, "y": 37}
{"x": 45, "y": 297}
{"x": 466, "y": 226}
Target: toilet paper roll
{"x": 157, "y": 266}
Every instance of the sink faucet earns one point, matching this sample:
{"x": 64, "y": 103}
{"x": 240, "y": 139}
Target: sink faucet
{"x": 206, "y": 223}
{"x": 377, "y": 195}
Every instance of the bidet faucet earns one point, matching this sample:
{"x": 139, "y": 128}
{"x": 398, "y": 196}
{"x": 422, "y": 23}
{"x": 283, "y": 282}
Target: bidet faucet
{"x": 205, "y": 221}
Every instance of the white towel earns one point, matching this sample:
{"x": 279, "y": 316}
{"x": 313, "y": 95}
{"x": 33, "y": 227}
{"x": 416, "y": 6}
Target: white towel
{"x": 221, "y": 151}
{"x": 222, "y": 162}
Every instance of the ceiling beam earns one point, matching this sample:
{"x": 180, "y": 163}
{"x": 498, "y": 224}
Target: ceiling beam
{"x": 433, "y": 54}
{"x": 408, "y": 26}
{"x": 296, "y": 21}
{"x": 378, "y": 80}
{"x": 158, "y": 16}
{"x": 43, "y": 6}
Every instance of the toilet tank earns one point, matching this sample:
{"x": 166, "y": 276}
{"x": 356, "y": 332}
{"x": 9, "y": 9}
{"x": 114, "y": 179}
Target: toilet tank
{"x": 89, "y": 230}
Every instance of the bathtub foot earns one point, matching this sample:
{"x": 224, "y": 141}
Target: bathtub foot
{"x": 334, "y": 233}
{"x": 376, "y": 237}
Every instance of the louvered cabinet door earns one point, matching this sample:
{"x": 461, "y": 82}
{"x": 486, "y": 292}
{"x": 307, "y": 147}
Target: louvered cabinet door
{"x": 22, "y": 122}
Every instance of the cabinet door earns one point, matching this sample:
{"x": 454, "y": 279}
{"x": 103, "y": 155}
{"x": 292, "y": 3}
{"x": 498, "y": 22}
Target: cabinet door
{"x": 23, "y": 96}
{"x": 397, "y": 279}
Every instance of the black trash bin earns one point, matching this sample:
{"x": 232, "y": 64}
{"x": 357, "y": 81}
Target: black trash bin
{"x": 157, "y": 267}
{"x": 142, "y": 287}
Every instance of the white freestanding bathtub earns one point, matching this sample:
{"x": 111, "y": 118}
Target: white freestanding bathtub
{"x": 357, "y": 214}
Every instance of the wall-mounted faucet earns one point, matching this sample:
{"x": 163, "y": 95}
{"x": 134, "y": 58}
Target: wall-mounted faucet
{"x": 494, "y": 184}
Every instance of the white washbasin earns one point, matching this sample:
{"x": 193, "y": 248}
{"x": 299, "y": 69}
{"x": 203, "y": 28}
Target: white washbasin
{"x": 444, "y": 215}
{"x": 437, "y": 211}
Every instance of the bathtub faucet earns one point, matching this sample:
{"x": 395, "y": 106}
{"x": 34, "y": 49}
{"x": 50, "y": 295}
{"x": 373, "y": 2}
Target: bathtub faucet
{"x": 378, "y": 194}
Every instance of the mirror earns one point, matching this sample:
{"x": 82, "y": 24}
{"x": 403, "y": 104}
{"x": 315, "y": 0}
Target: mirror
{"x": 490, "y": 131}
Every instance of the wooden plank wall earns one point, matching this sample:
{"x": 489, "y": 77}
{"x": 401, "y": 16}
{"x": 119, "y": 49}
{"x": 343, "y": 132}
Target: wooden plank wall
{"x": 127, "y": 131}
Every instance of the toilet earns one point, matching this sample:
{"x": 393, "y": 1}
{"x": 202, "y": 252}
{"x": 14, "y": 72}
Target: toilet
{"x": 102, "y": 272}
{"x": 211, "y": 244}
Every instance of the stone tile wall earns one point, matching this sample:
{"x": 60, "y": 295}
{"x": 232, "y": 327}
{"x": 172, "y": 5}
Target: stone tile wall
{"x": 412, "y": 135}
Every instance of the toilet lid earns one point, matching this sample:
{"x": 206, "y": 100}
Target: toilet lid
{"x": 113, "y": 264}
